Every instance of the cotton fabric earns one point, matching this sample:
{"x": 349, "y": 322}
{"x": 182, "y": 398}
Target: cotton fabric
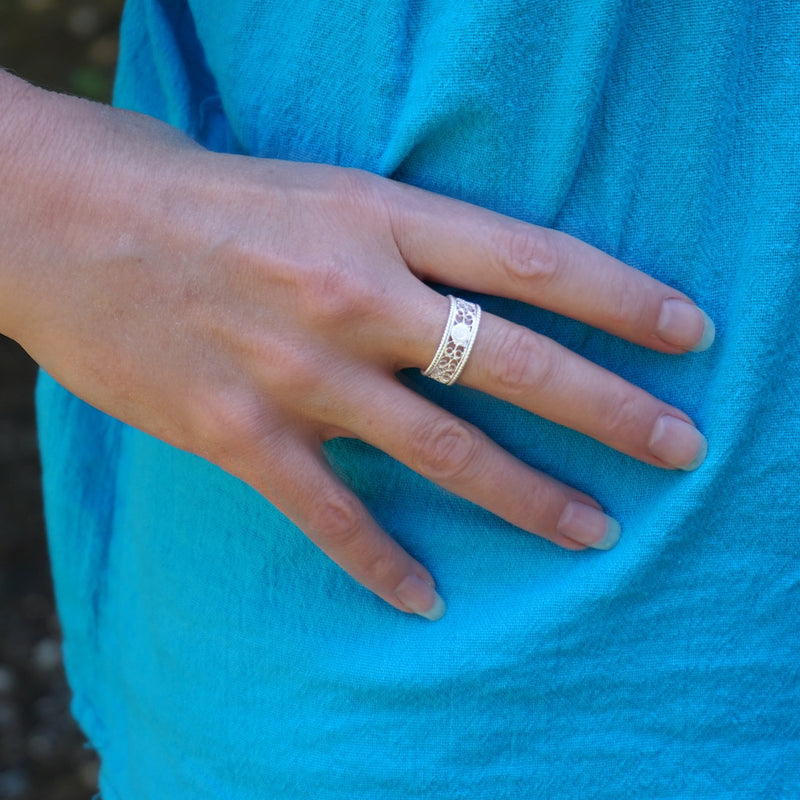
{"x": 215, "y": 653}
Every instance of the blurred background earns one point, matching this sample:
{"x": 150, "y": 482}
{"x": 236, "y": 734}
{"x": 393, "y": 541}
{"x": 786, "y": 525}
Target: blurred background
{"x": 69, "y": 46}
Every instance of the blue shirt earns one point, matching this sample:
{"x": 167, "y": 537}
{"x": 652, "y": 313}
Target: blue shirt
{"x": 214, "y": 652}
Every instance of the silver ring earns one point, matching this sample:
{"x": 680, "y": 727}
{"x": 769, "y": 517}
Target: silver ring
{"x": 457, "y": 340}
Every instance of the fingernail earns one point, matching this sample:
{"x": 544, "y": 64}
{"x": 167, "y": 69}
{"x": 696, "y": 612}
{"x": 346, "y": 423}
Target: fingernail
{"x": 420, "y": 597}
{"x": 589, "y": 526}
{"x": 678, "y": 443}
{"x": 683, "y": 324}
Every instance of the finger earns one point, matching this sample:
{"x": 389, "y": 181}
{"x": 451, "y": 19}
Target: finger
{"x": 522, "y": 367}
{"x": 302, "y": 486}
{"x": 534, "y": 372}
{"x": 461, "y": 245}
{"x": 463, "y": 460}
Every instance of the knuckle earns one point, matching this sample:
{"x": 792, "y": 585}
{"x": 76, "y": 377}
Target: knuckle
{"x": 296, "y": 371}
{"x": 378, "y": 565}
{"x": 620, "y": 417}
{"x": 628, "y": 308}
{"x": 338, "y": 519}
{"x": 548, "y": 362}
{"x": 516, "y": 359}
{"x": 360, "y": 194}
{"x": 445, "y": 448}
{"x": 530, "y": 255}
{"x": 355, "y": 185}
{"x": 334, "y": 294}
{"x": 547, "y": 502}
{"x": 524, "y": 362}
{"x": 222, "y": 424}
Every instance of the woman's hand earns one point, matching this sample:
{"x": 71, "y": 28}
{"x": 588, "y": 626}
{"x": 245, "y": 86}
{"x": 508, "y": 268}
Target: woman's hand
{"x": 249, "y": 310}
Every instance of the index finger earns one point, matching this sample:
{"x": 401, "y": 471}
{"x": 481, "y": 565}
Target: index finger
{"x": 464, "y": 246}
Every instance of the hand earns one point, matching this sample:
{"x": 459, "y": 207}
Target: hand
{"x": 283, "y": 298}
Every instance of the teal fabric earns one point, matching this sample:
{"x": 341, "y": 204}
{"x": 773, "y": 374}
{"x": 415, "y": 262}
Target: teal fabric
{"x": 215, "y": 653}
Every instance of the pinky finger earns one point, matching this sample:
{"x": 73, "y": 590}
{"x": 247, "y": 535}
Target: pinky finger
{"x": 302, "y": 485}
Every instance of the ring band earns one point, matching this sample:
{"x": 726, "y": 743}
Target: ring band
{"x": 457, "y": 340}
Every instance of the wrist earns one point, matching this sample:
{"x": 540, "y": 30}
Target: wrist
{"x": 75, "y": 177}
{"x": 38, "y": 193}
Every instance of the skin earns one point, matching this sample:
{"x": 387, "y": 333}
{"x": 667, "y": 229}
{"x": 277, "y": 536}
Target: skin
{"x": 277, "y": 295}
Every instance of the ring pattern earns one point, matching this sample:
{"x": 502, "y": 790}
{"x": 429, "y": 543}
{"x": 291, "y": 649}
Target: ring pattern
{"x": 457, "y": 340}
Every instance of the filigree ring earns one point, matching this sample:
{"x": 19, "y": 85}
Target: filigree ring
{"x": 457, "y": 340}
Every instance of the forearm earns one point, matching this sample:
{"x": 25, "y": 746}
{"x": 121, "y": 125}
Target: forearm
{"x": 68, "y": 170}
{"x": 39, "y": 169}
